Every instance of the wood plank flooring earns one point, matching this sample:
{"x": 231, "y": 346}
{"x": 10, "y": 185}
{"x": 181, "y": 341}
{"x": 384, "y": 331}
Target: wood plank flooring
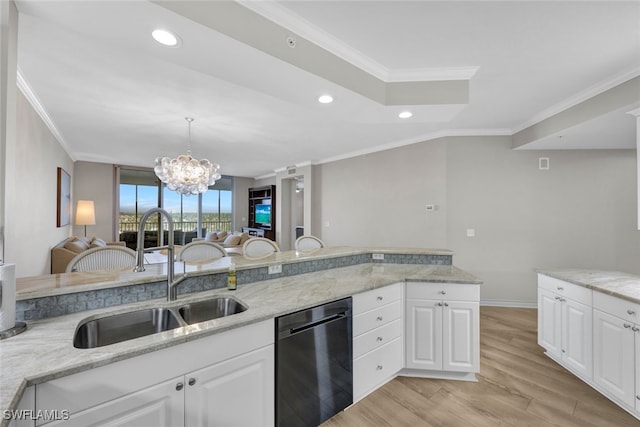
{"x": 517, "y": 386}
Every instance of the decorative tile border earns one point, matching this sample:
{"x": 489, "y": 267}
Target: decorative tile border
{"x": 59, "y": 305}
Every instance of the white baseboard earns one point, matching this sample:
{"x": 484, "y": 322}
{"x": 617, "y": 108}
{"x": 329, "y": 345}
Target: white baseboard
{"x": 501, "y": 303}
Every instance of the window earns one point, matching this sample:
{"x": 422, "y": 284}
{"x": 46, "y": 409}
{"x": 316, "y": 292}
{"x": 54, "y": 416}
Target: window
{"x": 140, "y": 190}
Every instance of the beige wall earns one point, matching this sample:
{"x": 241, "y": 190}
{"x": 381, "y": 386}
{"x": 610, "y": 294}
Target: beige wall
{"x": 31, "y": 187}
{"x": 580, "y": 213}
{"x": 95, "y": 181}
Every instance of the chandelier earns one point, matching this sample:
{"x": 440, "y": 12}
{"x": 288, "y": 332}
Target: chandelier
{"x": 185, "y": 174}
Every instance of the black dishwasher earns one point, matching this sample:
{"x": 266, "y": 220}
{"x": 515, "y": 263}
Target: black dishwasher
{"x": 314, "y": 364}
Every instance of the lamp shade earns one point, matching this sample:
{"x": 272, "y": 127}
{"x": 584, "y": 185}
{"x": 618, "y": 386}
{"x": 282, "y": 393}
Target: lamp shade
{"x": 85, "y": 213}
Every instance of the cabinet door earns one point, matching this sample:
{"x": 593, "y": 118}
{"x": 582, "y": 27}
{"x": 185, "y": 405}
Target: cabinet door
{"x": 613, "y": 356}
{"x": 577, "y": 348}
{"x": 637, "y": 365}
{"x": 549, "y": 322}
{"x": 461, "y": 337}
{"x": 236, "y": 392}
{"x": 424, "y": 334}
{"x": 160, "y": 405}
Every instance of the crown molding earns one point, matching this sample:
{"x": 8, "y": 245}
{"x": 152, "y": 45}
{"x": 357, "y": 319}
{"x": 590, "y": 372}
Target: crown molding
{"x": 415, "y": 140}
{"x": 33, "y": 99}
{"x": 285, "y": 18}
{"x": 579, "y": 97}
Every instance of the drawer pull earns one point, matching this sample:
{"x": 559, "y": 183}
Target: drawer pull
{"x": 380, "y": 298}
{"x": 627, "y": 326}
{"x": 638, "y": 397}
{"x": 631, "y": 312}
{"x": 443, "y": 292}
{"x": 635, "y": 329}
{"x": 192, "y": 381}
{"x": 379, "y": 318}
{"x": 379, "y": 368}
{"x": 558, "y": 298}
{"x": 179, "y": 386}
{"x": 379, "y": 339}
{"x": 560, "y": 288}
{"x": 439, "y": 304}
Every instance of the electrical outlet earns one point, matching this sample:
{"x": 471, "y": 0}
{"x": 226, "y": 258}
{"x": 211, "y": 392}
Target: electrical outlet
{"x": 275, "y": 269}
{"x": 377, "y": 256}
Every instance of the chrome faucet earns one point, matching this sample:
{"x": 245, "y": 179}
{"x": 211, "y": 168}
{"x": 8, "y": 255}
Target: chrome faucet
{"x": 140, "y": 250}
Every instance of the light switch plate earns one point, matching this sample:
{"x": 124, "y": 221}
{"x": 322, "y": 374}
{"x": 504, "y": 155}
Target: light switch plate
{"x": 275, "y": 269}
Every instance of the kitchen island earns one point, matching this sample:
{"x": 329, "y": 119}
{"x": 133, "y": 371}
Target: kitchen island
{"x": 589, "y": 323}
{"x": 46, "y": 352}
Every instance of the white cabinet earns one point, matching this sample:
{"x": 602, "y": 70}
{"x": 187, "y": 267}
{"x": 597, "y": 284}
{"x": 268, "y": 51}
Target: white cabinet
{"x": 21, "y": 416}
{"x": 158, "y": 405}
{"x": 442, "y": 327}
{"x": 232, "y": 393}
{"x": 565, "y": 324}
{"x": 377, "y": 338}
{"x": 223, "y": 379}
{"x": 617, "y": 349}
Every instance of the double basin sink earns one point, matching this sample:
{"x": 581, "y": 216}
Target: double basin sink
{"x": 135, "y": 324}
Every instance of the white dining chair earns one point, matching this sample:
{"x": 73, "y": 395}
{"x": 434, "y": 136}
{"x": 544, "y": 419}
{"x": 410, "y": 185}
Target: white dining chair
{"x": 200, "y": 252}
{"x": 308, "y": 243}
{"x": 259, "y": 247}
{"x": 102, "y": 258}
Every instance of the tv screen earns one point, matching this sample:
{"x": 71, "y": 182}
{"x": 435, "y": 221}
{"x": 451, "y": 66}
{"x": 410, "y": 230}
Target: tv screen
{"x": 263, "y": 214}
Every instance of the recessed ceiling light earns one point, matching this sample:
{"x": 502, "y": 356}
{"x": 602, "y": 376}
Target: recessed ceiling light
{"x": 405, "y": 114}
{"x": 325, "y": 99}
{"x": 166, "y": 38}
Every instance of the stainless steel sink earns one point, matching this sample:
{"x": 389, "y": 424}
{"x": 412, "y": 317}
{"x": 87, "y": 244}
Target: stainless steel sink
{"x": 214, "y": 308}
{"x": 135, "y": 324}
{"x": 125, "y": 326}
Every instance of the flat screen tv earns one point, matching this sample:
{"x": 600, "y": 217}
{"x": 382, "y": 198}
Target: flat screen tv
{"x": 263, "y": 214}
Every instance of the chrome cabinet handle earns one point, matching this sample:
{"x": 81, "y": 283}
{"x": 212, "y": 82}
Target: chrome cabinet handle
{"x": 638, "y": 397}
{"x": 379, "y": 339}
{"x": 446, "y": 304}
{"x": 379, "y": 368}
{"x": 627, "y": 326}
{"x": 558, "y": 298}
{"x": 439, "y": 304}
{"x": 379, "y": 319}
{"x": 192, "y": 381}
{"x": 560, "y": 288}
{"x": 179, "y": 386}
{"x": 635, "y": 329}
{"x": 380, "y": 298}
{"x": 631, "y": 312}
{"x": 443, "y": 292}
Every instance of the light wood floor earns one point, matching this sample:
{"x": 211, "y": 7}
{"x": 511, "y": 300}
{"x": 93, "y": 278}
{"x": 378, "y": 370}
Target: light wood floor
{"x": 517, "y": 386}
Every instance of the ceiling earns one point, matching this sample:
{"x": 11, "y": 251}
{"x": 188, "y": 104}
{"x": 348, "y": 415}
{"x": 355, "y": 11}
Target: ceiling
{"x": 111, "y": 94}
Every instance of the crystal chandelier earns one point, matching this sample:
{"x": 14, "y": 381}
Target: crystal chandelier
{"x": 185, "y": 174}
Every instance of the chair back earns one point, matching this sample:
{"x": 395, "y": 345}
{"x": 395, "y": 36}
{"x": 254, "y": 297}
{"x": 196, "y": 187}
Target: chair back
{"x": 103, "y": 258}
{"x": 308, "y": 243}
{"x": 201, "y": 251}
{"x": 258, "y": 247}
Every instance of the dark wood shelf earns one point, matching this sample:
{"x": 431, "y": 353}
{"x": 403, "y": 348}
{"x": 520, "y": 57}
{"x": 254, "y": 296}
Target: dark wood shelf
{"x": 265, "y": 195}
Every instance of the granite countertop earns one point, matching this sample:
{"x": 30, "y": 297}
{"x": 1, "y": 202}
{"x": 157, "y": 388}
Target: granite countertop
{"x": 45, "y": 351}
{"x": 614, "y": 283}
{"x": 58, "y": 284}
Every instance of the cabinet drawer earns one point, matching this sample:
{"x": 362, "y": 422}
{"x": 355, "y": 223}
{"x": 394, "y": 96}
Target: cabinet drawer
{"x": 569, "y": 290}
{"x": 442, "y": 291}
{"x": 376, "y": 298}
{"x": 374, "y": 318}
{"x": 618, "y": 307}
{"x": 376, "y": 338}
{"x": 376, "y": 367}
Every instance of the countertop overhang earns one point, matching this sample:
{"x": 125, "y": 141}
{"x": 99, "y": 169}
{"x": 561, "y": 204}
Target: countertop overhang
{"x": 45, "y": 351}
{"x": 614, "y": 283}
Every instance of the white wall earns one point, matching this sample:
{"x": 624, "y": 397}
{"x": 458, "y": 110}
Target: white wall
{"x": 580, "y": 213}
{"x": 31, "y": 187}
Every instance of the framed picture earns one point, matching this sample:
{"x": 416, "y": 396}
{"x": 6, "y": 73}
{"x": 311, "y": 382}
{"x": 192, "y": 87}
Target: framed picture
{"x": 63, "y": 211}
